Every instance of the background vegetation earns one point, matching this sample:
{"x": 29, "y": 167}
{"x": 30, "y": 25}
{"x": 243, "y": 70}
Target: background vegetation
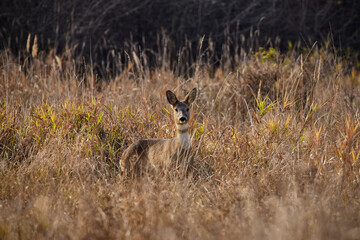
{"x": 275, "y": 135}
{"x": 276, "y": 142}
{"x": 107, "y": 32}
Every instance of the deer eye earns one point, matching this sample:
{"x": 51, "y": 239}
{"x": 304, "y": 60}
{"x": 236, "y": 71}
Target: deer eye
{"x": 187, "y": 109}
{"x": 176, "y": 109}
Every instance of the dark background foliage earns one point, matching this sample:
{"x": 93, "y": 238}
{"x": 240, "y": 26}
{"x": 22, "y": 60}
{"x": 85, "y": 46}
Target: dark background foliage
{"x": 100, "y": 29}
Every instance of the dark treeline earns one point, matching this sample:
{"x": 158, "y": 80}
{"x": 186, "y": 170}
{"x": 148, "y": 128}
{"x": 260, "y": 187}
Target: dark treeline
{"x": 104, "y": 30}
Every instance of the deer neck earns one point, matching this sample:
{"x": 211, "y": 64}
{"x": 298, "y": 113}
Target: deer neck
{"x": 183, "y": 136}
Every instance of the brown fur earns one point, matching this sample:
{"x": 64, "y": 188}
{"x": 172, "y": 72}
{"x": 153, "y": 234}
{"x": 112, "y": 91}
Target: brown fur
{"x": 160, "y": 155}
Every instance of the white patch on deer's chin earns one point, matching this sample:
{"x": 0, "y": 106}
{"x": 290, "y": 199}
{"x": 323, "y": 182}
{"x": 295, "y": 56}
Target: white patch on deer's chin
{"x": 182, "y": 127}
{"x": 183, "y": 137}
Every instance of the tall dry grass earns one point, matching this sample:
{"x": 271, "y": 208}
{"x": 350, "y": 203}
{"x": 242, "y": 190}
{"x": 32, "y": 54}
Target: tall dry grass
{"x": 276, "y": 139}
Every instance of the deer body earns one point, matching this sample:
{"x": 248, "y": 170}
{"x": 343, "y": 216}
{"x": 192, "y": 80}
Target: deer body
{"x": 162, "y": 154}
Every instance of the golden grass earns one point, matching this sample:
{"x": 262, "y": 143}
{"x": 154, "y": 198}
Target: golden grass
{"x": 276, "y": 141}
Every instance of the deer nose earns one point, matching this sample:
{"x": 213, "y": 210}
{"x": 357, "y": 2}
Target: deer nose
{"x": 182, "y": 119}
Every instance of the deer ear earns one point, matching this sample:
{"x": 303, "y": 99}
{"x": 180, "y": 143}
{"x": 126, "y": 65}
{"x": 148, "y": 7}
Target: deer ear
{"x": 191, "y": 96}
{"x": 171, "y": 97}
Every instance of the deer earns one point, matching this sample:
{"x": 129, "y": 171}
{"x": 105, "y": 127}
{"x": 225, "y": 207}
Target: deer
{"x": 160, "y": 155}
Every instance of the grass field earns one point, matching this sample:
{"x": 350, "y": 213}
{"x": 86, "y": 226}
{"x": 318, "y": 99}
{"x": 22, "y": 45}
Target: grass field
{"x": 275, "y": 136}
